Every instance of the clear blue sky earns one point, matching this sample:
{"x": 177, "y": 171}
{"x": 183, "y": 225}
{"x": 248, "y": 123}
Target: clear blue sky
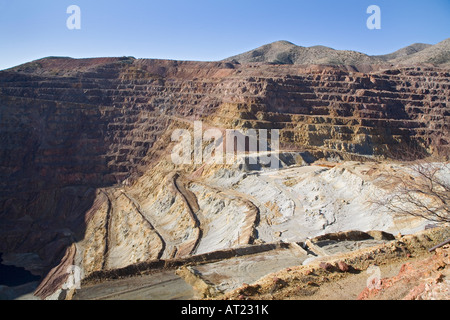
{"x": 210, "y": 29}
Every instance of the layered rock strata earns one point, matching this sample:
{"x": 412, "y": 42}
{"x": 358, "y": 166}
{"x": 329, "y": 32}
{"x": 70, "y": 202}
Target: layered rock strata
{"x": 84, "y": 149}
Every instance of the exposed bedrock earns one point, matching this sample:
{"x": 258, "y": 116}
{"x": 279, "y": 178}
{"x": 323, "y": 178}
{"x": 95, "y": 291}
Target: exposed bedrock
{"x": 85, "y": 152}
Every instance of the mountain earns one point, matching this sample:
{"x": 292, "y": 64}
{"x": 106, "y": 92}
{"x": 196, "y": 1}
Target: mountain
{"x": 285, "y": 52}
{"x": 405, "y": 52}
{"x": 438, "y": 54}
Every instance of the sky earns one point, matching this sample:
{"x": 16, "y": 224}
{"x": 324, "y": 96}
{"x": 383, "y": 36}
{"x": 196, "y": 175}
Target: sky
{"x": 210, "y": 30}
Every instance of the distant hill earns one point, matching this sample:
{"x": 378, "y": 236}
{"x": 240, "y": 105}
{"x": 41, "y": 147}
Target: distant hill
{"x": 405, "y": 52}
{"x": 439, "y": 54}
{"x": 285, "y": 52}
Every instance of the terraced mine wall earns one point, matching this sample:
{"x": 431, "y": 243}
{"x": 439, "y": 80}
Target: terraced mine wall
{"x": 95, "y": 126}
{"x": 69, "y": 127}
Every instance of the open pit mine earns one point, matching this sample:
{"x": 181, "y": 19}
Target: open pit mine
{"x": 92, "y": 205}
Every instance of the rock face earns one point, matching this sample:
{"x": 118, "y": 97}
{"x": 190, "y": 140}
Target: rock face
{"x": 85, "y": 151}
{"x": 426, "y": 279}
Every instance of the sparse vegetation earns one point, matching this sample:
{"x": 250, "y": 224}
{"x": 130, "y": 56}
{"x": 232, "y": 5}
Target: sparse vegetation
{"x": 425, "y": 193}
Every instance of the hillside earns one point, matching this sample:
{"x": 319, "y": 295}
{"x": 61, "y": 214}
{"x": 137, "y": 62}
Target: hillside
{"x": 438, "y": 54}
{"x": 284, "y": 52}
{"x": 404, "y": 52}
